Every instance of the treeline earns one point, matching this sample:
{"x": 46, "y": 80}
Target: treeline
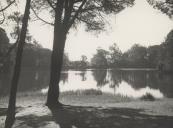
{"x": 156, "y": 56}
{"x": 138, "y": 56}
{"x": 34, "y": 55}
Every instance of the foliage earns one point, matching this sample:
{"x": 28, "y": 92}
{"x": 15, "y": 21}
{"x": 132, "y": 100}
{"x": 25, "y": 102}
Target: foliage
{"x": 15, "y": 19}
{"x": 17, "y": 68}
{"x": 99, "y": 60}
{"x": 115, "y": 56}
{"x": 89, "y": 12}
{"x": 4, "y": 40}
{"x": 84, "y": 62}
{"x": 167, "y": 55}
{"x": 137, "y": 55}
{"x": 79, "y": 64}
{"x": 34, "y": 56}
{"x": 154, "y": 54}
{"x": 4, "y": 45}
{"x": 166, "y": 6}
{"x": 67, "y": 14}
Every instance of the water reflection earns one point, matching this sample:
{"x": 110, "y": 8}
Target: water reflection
{"x": 127, "y": 83}
{"x": 83, "y": 75}
{"x": 115, "y": 79}
{"x": 100, "y": 77}
{"x": 64, "y": 77}
{"x": 126, "y": 90}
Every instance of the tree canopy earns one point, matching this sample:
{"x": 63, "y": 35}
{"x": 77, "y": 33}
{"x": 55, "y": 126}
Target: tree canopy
{"x": 89, "y": 12}
{"x": 166, "y": 6}
{"x": 99, "y": 60}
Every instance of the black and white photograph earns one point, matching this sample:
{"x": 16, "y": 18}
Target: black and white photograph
{"x": 86, "y": 63}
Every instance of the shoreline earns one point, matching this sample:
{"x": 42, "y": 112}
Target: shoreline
{"x": 34, "y": 104}
{"x": 163, "y": 106}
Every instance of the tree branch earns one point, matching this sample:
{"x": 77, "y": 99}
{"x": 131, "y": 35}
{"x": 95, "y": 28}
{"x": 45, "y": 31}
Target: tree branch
{"x": 77, "y": 13}
{"x": 40, "y": 17}
{"x": 7, "y": 5}
{"x": 86, "y": 22}
{"x": 51, "y": 5}
{"x": 2, "y": 21}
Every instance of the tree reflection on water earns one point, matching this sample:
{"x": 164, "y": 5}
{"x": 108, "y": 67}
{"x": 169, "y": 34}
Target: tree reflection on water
{"x": 111, "y": 81}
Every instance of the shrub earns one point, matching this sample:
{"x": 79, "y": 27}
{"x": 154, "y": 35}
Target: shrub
{"x": 148, "y": 97}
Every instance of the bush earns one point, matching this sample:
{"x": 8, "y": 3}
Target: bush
{"x": 148, "y": 97}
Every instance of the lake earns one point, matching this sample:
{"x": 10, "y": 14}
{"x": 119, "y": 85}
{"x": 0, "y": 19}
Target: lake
{"x": 130, "y": 83}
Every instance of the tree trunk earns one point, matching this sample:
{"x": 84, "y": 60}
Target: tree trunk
{"x": 14, "y": 82}
{"x": 56, "y": 65}
{"x": 56, "y": 58}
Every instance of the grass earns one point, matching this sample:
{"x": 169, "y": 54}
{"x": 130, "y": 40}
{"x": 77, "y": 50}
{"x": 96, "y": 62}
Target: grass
{"x": 90, "y": 109}
{"x": 83, "y": 92}
{"x": 91, "y": 97}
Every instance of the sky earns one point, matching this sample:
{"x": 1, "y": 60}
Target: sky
{"x": 137, "y": 24}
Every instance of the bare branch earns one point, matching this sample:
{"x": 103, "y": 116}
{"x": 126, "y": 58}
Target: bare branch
{"x": 2, "y": 21}
{"x": 87, "y": 22}
{"x": 40, "y": 17}
{"x": 7, "y": 5}
{"x": 51, "y": 5}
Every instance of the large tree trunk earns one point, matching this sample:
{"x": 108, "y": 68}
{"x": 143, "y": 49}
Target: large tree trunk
{"x": 55, "y": 73}
{"x": 14, "y": 82}
{"x": 56, "y": 58}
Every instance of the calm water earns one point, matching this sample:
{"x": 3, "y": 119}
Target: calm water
{"x": 129, "y": 83}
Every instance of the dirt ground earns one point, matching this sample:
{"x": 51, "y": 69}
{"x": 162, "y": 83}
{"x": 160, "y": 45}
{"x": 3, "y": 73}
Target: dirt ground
{"x": 90, "y": 112}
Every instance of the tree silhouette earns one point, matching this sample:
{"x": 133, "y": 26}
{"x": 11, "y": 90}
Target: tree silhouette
{"x": 4, "y": 44}
{"x": 165, "y": 6}
{"x": 67, "y": 14}
{"x": 115, "y": 56}
{"x": 14, "y": 82}
{"x": 100, "y": 77}
{"x": 99, "y": 60}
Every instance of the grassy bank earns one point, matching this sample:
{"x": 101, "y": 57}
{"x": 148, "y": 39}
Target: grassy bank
{"x": 90, "y": 110}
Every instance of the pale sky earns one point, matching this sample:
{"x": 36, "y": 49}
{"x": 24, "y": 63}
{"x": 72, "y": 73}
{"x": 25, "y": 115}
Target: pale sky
{"x": 137, "y": 24}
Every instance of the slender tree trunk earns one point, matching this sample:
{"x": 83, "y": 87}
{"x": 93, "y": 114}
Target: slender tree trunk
{"x": 14, "y": 82}
{"x": 57, "y": 57}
